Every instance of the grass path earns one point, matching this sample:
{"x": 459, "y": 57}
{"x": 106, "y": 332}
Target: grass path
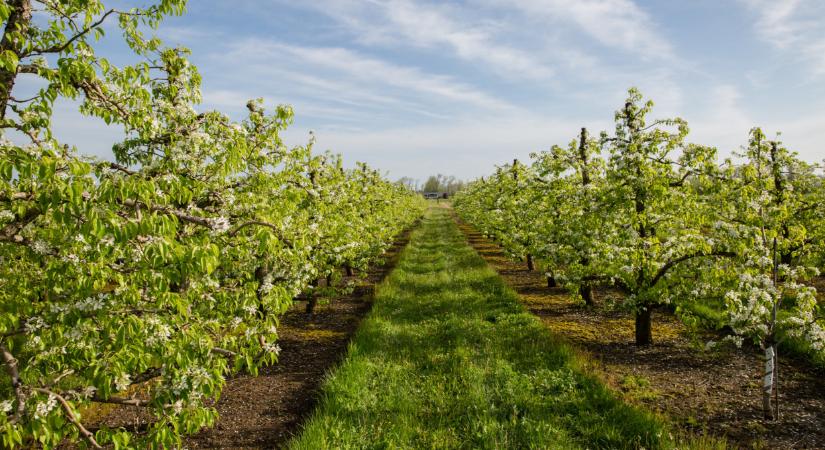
{"x": 448, "y": 358}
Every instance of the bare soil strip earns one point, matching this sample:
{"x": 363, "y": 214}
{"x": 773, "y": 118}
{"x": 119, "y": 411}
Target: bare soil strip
{"x": 703, "y": 392}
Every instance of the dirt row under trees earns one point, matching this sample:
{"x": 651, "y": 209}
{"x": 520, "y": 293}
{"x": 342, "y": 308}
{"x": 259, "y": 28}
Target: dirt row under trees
{"x": 703, "y": 392}
{"x": 267, "y": 410}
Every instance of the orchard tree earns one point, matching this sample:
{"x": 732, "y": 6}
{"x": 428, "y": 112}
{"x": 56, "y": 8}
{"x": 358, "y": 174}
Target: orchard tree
{"x": 771, "y": 209}
{"x": 654, "y": 215}
{"x": 571, "y": 181}
{"x": 506, "y": 207}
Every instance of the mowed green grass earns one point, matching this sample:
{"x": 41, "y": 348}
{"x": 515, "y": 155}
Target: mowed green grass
{"x": 448, "y": 358}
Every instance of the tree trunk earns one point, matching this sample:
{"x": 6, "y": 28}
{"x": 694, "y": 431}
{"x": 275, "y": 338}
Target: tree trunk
{"x": 530, "y": 265}
{"x": 311, "y": 304}
{"x": 551, "y": 281}
{"x": 586, "y": 291}
{"x": 769, "y": 382}
{"x": 260, "y": 276}
{"x": 19, "y": 19}
{"x": 644, "y": 335}
{"x": 348, "y": 268}
{"x": 329, "y": 280}
{"x": 313, "y": 300}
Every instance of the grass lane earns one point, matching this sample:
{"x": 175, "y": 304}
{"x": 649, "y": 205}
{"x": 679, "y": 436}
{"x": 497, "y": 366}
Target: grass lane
{"x": 448, "y": 358}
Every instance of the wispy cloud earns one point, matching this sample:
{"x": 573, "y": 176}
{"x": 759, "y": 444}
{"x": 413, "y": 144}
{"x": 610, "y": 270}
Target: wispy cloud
{"x": 796, "y": 26}
{"x": 618, "y": 24}
{"x": 362, "y": 70}
{"x": 438, "y": 26}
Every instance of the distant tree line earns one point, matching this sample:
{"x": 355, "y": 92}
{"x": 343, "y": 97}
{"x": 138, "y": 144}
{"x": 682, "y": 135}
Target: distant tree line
{"x": 434, "y": 183}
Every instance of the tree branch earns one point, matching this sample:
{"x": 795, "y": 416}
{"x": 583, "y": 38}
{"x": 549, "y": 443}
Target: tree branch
{"x": 65, "y": 45}
{"x": 12, "y": 369}
{"x": 72, "y": 418}
{"x": 202, "y": 221}
{"x": 120, "y": 401}
{"x": 223, "y": 352}
{"x": 672, "y": 263}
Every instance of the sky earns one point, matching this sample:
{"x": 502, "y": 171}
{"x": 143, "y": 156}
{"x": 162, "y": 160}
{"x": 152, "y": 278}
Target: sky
{"x": 416, "y": 88}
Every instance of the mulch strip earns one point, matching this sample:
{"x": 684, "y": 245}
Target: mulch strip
{"x": 715, "y": 393}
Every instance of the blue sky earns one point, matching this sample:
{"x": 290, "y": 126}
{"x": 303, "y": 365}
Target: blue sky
{"x": 420, "y": 87}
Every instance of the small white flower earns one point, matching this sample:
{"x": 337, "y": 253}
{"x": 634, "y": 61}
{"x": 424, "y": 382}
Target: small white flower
{"x": 272, "y": 348}
{"x": 44, "y": 408}
{"x": 220, "y": 225}
{"x": 89, "y": 391}
{"x": 177, "y": 407}
{"x": 40, "y": 247}
{"x": 108, "y": 240}
{"x": 71, "y": 258}
{"x": 123, "y": 381}
{"x": 266, "y": 285}
{"x": 5, "y": 406}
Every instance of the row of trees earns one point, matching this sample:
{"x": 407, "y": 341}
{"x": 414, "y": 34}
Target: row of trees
{"x": 434, "y": 183}
{"x": 147, "y": 280}
{"x": 661, "y": 219}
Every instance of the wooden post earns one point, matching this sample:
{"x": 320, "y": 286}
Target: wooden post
{"x": 585, "y": 290}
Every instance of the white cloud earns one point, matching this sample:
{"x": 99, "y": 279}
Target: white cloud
{"x": 796, "y": 26}
{"x": 618, "y": 24}
{"x": 367, "y": 72}
{"x": 439, "y": 26}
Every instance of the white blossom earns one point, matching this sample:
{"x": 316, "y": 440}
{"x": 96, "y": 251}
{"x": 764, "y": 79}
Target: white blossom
{"x": 40, "y": 247}
{"x": 42, "y": 409}
{"x": 272, "y": 347}
{"x": 220, "y": 225}
{"x": 123, "y": 381}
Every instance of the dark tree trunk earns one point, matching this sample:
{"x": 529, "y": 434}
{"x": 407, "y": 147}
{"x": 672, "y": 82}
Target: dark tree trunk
{"x": 644, "y": 335}
{"x": 786, "y": 258}
{"x": 586, "y": 291}
{"x": 313, "y": 299}
{"x": 329, "y": 280}
{"x": 348, "y": 268}
{"x": 551, "y": 281}
{"x": 530, "y": 265}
